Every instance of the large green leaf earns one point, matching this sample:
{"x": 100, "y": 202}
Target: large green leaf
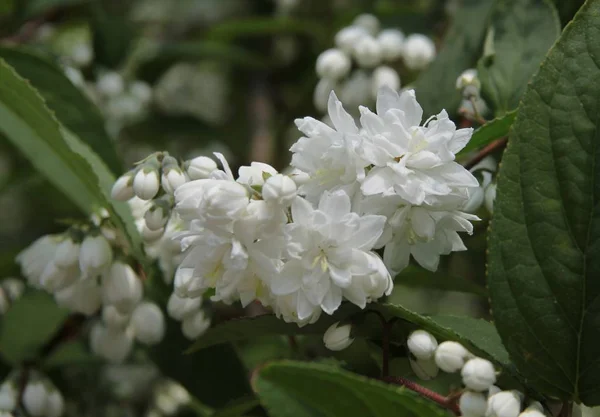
{"x": 297, "y": 389}
{"x": 29, "y": 323}
{"x": 59, "y": 155}
{"x": 520, "y": 34}
{"x": 72, "y": 108}
{"x": 436, "y": 87}
{"x": 492, "y": 130}
{"x": 544, "y": 246}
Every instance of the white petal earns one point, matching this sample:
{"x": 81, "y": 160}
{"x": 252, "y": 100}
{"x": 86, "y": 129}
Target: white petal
{"x": 335, "y": 204}
{"x": 342, "y": 121}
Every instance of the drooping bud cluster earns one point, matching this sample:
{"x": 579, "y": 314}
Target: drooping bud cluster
{"x": 472, "y": 106}
{"x": 373, "y": 54}
{"x": 11, "y": 290}
{"x": 39, "y": 398}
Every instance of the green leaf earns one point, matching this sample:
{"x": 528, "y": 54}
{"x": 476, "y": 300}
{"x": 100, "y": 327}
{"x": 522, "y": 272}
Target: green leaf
{"x": 543, "y": 262}
{"x": 436, "y": 87}
{"x": 35, "y": 7}
{"x": 112, "y": 36}
{"x": 489, "y": 132}
{"x": 29, "y": 323}
{"x": 73, "y": 353}
{"x": 72, "y": 108}
{"x": 238, "y": 407}
{"x": 303, "y": 389}
{"x": 521, "y": 33}
{"x": 60, "y": 156}
{"x": 417, "y": 277}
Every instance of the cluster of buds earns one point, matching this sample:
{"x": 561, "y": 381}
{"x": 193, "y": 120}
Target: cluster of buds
{"x": 11, "y": 290}
{"x": 39, "y": 397}
{"x": 472, "y": 105}
{"x": 190, "y": 313}
{"x": 373, "y": 54}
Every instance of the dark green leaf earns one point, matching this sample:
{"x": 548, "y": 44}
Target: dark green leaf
{"x": 35, "y": 7}
{"x": 489, "y": 132}
{"x": 74, "y": 353}
{"x": 436, "y": 87}
{"x": 417, "y": 277}
{"x": 238, "y": 407}
{"x": 112, "y": 36}
{"x": 302, "y": 389}
{"x": 544, "y": 261}
{"x": 72, "y": 108}
{"x": 521, "y": 32}
{"x": 29, "y": 323}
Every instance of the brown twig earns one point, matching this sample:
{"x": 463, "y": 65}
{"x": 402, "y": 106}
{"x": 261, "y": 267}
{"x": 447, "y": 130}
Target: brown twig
{"x": 448, "y": 403}
{"x": 487, "y": 150}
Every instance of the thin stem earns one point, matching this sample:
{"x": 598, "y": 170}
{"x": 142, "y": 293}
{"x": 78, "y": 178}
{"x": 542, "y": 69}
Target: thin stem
{"x": 448, "y": 403}
{"x": 487, "y": 150}
{"x": 478, "y": 118}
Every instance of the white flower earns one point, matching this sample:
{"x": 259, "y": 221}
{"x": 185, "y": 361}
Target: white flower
{"x": 422, "y": 344}
{"x": 424, "y": 369}
{"x": 113, "y": 318}
{"x": 8, "y": 396}
{"x": 367, "y": 52}
{"x": 148, "y": 323}
{"x": 67, "y": 253}
{"x": 478, "y": 374}
{"x": 326, "y": 247}
{"x": 489, "y": 197}
{"x": 368, "y": 22}
{"x": 333, "y": 64}
{"x": 200, "y": 167}
{"x": 178, "y": 307}
{"x": 122, "y": 189}
{"x": 111, "y": 344}
{"x": 35, "y": 397}
{"x": 349, "y": 36}
{"x": 172, "y": 178}
{"x": 255, "y": 174}
{"x": 472, "y": 404}
{"x": 385, "y": 76}
{"x": 280, "y": 189}
{"x": 83, "y": 296}
{"x": 110, "y": 84}
{"x": 55, "y": 404}
{"x": 195, "y": 325}
{"x": 504, "y": 404}
{"x": 419, "y": 51}
{"x": 451, "y": 356}
{"x": 95, "y": 255}
{"x": 121, "y": 287}
{"x": 36, "y": 257}
{"x": 146, "y": 183}
{"x": 392, "y": 44}
{"x": 337, "y": 337}
{"x": 371, "y": 286}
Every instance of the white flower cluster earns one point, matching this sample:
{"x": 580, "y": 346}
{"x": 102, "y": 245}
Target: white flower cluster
{"x": 473, "y": 106}
{"x": 40, "y": 398}
{"x": 373, "y": 52}
{"x": 481, "y": 398}
{"x": 11, "y": 290}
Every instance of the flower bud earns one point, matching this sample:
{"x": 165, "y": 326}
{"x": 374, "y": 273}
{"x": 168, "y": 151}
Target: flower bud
{"x": 255, "y": 174}
{"x": 472, "y": 404}
{"x": 146, "y": 183}
{"x": 391, "y": 42}
{"x": 122, "y": 189}
{"x": 299, "y": 177}
{"x": 8, "y": 396}
{"x": 54, "y": 278}
{"x": 384, "y": 76}
{"x": 186, "y": 284}
{"x": 451, "y": 356}
{"x": 200, "y": 167}
{"x": 110, "y": 84}
{"x": 478, "y": 374}
{"x": 475, "y": 200}
{"x": 489, "y": 197}
{"x": 178, "y": 307}
{"x": 367, "y": 52}
{"x": 422, "y": 344}
{"x": 172, "y": 178}
{"x": 141, "y": 91}
{"x": 195, "y": 325}
{"x": 534, "y": 411}
{"x": 55, "y": 404}
{"x": 424, "y": 369}
{"x": 349, "y": 36}
{"x": 368, "y": 22}
{"x": 148, "y": 323}
{"x": 83, "y": 296}
{"x": 35, "y": 258}
{"x": 13, "y": 287}
{"x": 113, "y": 318}
{"x": 468, "y": 82}
{"x": 111, "y": 344}
{"x": 280, "y": 189}
{"x": 493, "y": 390}
{"x": 419, "y": 51}
{"x": 156, "y": 217}
{"x": 67, "y": 253}
{"x": 333, "y": 64}
{"x": 337, "y": 337}
{"x": 35, "y": 399}
{"x": 504, "y": 404}
{"x": 150, "y": 236}
{"x": 121, "y": 287}
{"x": 95, "y": 255}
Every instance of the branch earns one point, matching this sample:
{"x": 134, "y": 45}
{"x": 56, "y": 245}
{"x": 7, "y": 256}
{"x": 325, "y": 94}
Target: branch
{"x": 487, "y": 150}
{"x": 448, "y": 403}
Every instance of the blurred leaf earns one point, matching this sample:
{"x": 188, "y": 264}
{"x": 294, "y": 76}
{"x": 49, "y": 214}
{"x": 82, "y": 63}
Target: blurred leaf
{"x": 72, "y": 108}
{"x": 238, "y": 407}
{"x": 29, "y": 323}
{"x": 489, "y": 132}
{"x": 436, "y": 87}
{"x": 521, "y": 32}
{"x": 543, "y": 263}
{"x": 112, "y": 37}
{"x": 303, "y": 389}
{"x": 35, "y": 7}
{"x": 73, "y": 353}
{"x": 260, "y": 26}
{"x": 417, "y": 277}
{"x": 6, "y": 7}
{"x": 567, "y": 9}
{"x": 63, "y": 158}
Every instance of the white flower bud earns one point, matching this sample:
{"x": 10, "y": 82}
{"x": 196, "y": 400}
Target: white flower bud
{"x": 13, "y": 287}
{"x": 504, "y": 404}
{"x": 186, "y": 284}
{"x": 110, "y": 84}
{"x": 535, "y": 410}
{"x": 299, "y": 177}
{"x": 114, "y": 318}
{"x": 54, "y": 278}
{"x": 280, "y": 189}
{"x": 367, "y": 52}
{"x": 321, "y": 94}
{"x": 419, "y": 51}
{"x": 172, "y": 178}
{"x": 201, "y": 167}
{"x": 493, "y": 390}
{"x": 83, "y": 296}
{"x": 67, "y": 253}
{"x": 95, "y": 256}
{"x": 384, "y": 76}
{"x": 111, "y": 344}
{"x": 178, "y": 307}
{"x": 472, "y": 404}
{"x": 392, "y": 44}
{"x": 146, "y": 183}
{"x": 255, "y": 174}
{"x": 337, "y": 337}
{"x": 150, "y": 236}
{"x": 141, "y": 91}
{"x": 195, "y": 325}
{"x": 333, "y": 64}
{"x": 55, "y": 404}
{"x": 122, "y": 189}
{"x": 8, "y": 396}
{"x": 82, "y": 54}
{"x": 121, "y": 287}
{"x": 36, "y": 257}
{"x": 349, "y": 36}
{"x": 475, "y": 200}
{"x": 156, "y": 218}
{"x": 148, "y": 323}
{"x": 35, "y": 399}
{"x": 368, "y": 22}
{"x": 451, "y": 356}
{"x": 489, "y": 197}
{"x": 478, "y": 374}
{"x": 424, "y": 369}
{"x": 422, "y": 344}
{"x": 469, "y": 82}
